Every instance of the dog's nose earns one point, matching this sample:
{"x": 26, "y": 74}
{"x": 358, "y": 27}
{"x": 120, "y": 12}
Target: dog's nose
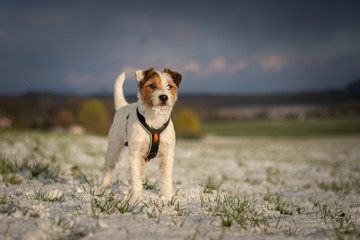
{"x": 163, "y": 98}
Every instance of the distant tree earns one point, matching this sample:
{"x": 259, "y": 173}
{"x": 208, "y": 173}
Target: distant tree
{"x": 73, "y": 104}
{"x": 94, "y": 117}
{"x": 187, "y": 124}
{"x": 14, "y": 107}
{"x": 354, "y": 86}
{"x": 64, "y": 118}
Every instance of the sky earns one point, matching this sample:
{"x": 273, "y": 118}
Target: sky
{"x": 219, "y": 47}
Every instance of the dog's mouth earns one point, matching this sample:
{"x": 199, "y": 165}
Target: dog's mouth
{"x": 160, "y": 105}
{"x": 161, "y": 101}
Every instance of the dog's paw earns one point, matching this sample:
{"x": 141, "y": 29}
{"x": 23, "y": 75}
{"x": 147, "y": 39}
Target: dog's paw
{"x": 166, "y": 197}
{"x": 166, "y": 192}
{"x": 104, "y": 185}
{"x": 135, "y": 196}
{"x": 106, "y": 180}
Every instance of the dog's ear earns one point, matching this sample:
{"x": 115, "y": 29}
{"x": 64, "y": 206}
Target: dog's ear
{"x": 141, "y": 74}
{"x": 174, "y": 75}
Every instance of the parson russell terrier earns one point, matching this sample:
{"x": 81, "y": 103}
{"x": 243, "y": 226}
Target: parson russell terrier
{"x": 145, "y": 128}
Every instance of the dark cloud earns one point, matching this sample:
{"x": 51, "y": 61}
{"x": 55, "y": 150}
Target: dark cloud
{"x": 218, "y": 46}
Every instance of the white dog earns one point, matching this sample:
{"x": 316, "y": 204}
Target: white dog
{"x": 145, "y": 128}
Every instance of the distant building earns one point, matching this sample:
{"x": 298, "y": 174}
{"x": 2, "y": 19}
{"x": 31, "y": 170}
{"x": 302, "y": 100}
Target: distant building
{"x": 72, "y": 129}
{"x": 76, "y": 129}
{"x": 5, "y": 122}
{"x": 268, "y": 112}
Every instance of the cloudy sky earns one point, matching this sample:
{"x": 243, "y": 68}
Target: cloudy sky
{"x": 218, "y": 46}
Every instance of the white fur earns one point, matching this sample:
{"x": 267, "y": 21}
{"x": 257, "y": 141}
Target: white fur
{"x": 130, "y": 130}
{"x": 119, "y": 98}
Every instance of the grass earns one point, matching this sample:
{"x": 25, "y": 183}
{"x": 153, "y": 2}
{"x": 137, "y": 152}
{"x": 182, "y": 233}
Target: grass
{"x": 78, "y": 174}
{"x": 276, "y": 202}
{"x": 211, "y": 199}
{"x": 343, "y": 223}
{"x": 3, "y": 199}
{"x": 28, "y": 164}
{"x": 43, "y": 195}
{"x": 211, "y": 184}
{"x": 273, "y": 175}
{"x": 64, "y": 224}
{"x": 290, "y": 229}
{"x": 344, "y": 186}
{"x": 12, "y": 179}
{"x": 154, "y": 208}
{"x": 238, "y": 210}
{"x": 287, "y": 128}
{"x": 108, "y": 203}
{"x": 148, "y": 185}
{"x": 63, "y": 228}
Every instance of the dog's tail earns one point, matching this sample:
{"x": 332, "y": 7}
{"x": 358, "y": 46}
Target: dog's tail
{"x": 119, "y": 97}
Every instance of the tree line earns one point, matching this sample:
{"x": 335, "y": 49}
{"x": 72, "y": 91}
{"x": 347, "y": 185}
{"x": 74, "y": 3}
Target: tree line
{"x": 46, "y": 111}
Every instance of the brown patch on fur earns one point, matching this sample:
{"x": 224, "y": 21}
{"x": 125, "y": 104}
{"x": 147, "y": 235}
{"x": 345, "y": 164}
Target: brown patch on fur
{"x": 148, "y": 74}
{"x": 145, "y": 86}
{"x": 176, "y": 77}
{"x": 173, "y": 90}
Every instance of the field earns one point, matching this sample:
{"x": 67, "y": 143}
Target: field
{"x": 260, "y": 187}
{"x": 288, "y": 128}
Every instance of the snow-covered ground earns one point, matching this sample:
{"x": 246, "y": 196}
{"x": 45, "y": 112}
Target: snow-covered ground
{"x": 224, "y": 188}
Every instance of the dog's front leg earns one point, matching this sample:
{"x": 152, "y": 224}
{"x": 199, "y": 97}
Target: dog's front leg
{"x": 135, "y": 170}
{"x": 166, "y": 168}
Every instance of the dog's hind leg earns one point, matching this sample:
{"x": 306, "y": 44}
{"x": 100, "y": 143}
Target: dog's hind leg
{"x": 112, "y": 155}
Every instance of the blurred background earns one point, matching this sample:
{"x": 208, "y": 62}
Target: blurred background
{"x": 250, "y": 68}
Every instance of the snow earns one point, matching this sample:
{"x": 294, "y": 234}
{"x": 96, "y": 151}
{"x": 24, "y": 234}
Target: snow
{"x": 315, "y": 181}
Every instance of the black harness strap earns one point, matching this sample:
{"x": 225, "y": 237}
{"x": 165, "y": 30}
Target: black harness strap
{"x": 155, "y": 136}
{"x": 127, "y": 118}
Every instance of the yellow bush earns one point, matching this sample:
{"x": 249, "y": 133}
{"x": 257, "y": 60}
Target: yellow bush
{"x": 94, "y": 117}
{"x": 187, "y": 124}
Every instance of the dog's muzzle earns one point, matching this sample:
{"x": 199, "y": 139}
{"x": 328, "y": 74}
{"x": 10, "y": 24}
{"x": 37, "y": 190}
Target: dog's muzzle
{"x": 163, "y": 98}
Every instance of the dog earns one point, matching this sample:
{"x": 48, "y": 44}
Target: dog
{"x": 145, "y": 128}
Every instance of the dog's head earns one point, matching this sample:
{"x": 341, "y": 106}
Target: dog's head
{"x": 158, "y": 90}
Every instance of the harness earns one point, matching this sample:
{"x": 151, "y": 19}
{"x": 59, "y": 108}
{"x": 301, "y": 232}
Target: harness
{"x": 154, "y": 135}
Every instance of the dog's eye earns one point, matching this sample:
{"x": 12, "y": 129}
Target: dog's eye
{"x": 152, "y": 86}
{"x": 169, "y": 87}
